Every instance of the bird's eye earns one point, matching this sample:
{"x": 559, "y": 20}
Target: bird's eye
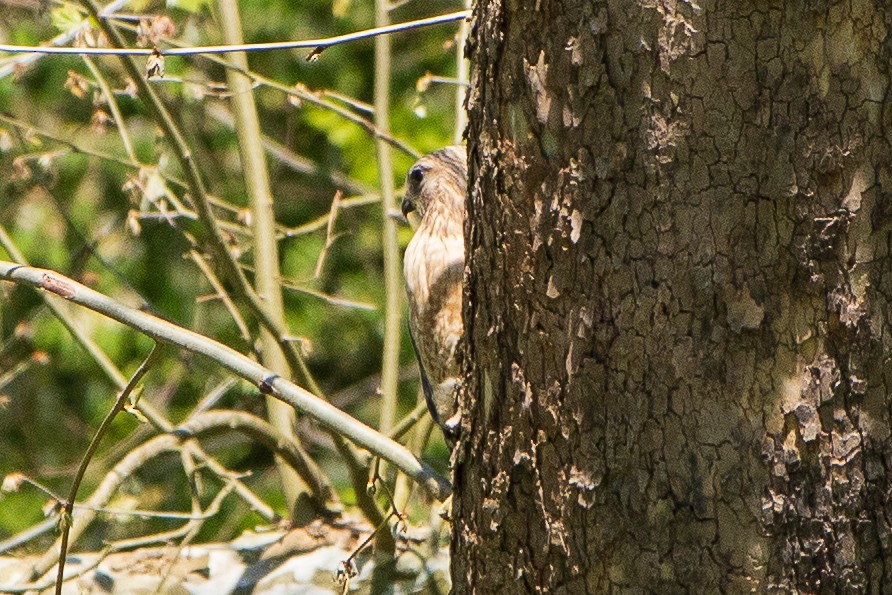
{"x": 416, "y": 174}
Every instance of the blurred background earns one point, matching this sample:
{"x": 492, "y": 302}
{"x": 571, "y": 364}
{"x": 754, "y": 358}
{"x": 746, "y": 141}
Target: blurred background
{"x": 109, "y": 209}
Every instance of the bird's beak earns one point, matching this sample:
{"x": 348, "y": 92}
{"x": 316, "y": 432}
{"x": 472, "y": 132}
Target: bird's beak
{"x": 407, "y": 206}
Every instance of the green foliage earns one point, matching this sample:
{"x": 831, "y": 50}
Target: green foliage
{"x": 188, "y": 5}
{"x": 66, "y": 17}
{"x": 72, "y": 201}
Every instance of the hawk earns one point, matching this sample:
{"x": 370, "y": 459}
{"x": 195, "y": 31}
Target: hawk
{"x": 433, "y": 267}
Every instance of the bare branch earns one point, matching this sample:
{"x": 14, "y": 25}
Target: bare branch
{"x": 162, "y": 330}
{"x": 155, "y": 417}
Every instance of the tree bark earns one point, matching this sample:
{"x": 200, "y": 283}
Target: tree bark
{"x": 677, "y": 370}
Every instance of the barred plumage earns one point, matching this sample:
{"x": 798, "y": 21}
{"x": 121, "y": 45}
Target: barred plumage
{"x": 433, "y": 268}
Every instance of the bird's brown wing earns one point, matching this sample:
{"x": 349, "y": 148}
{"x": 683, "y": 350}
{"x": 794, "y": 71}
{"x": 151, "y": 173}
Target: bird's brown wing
{"x": 425, "y": 381}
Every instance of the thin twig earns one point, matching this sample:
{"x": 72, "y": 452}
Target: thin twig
{"x": 20, "y": 539}
{"x": 75, "y": 148}
{"x": 139, "y": 456}
{"x": 118, "y": 380}
{"x": 217, "y": 242}
{"x": 368, "y": 539}
{"x": 220, "y": 291}
{"x": 330, "y": 299}
{"x": 322, "y": 221}
{"x": 416, "y": 443}
{"x": 209, "y": 400}
{"x": 60, "y": 506}
{"x": 112, "y": 103}
{"x": 406, "y": 424}
{"x": 292, "y": 160}
{"x": 301, "y": 93}
{"x": 49, "y": 582}
{"x": 190, "y": 534}
{"x": 351, "y": 101}
{"x": 330, "y": 236}
{"x": 66, "y": 37}
{"x": 119, "y": 405}
{"x": 103, "y": 493}
{"x": 264, "y": 433}
{"x": 317, "y": 45}
{"x": 239, "y": 364}
{"x": 167, "y": 536}
{"x": 325, "y": 297}
{"x": 16, "y": 371}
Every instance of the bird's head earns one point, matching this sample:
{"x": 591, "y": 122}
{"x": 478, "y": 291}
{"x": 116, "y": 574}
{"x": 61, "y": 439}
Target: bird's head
{"x": 437, "y": 180}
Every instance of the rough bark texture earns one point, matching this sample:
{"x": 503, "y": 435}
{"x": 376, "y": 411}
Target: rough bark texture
{"x": 677, "y": 299}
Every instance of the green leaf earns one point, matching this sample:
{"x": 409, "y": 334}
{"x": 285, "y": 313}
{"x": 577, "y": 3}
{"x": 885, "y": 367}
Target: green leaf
{"x": 187, "y": 5}
{"x": 66, "y": 17}
{"x": 339, "y": 8}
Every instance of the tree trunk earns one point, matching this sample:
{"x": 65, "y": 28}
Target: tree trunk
{"x": 678, "y": 299}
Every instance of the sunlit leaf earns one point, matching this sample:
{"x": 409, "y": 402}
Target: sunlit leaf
{"x": 187, "y": 5}
{"x": 339, "y": 8}
{"x": 66, "y": 17}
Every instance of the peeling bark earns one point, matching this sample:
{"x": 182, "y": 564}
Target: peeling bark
{"x": 677, "y": 299}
